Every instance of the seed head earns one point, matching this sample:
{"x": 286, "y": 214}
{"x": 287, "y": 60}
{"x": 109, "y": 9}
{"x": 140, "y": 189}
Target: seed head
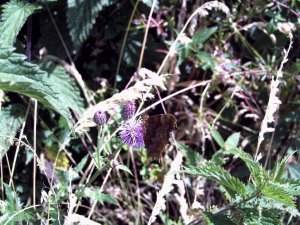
{"x": 128, "y": 110}
{"x": 100, "y": 118}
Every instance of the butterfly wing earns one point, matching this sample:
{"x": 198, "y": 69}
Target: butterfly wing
{"x": 157, "y": 131}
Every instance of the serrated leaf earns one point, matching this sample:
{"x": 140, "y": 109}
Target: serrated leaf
{"x": 65, "y": 87}
{"x": 252, "y": 216}
{"x": 290, "y": 186}
{"x": 278, "y": 170}
{"x": 25, "y": 78}
{"x": 269, "y": 203}
{"x": 13, "y": 205}
{"x": 202, "y": 35}
{"x": 96, "y": 194}
{"x": 232, "y": 141}
{"x": 81, "y": 16}
{"x": 13, "y": 17}
{"x": 11, "y": 119}
{"x": 192, "y": 157}
{"x": 214, "y": 172}
{"x": 277, "y": 193}
{"x": 258, "y": 174}
{"x": 217, "y": 137}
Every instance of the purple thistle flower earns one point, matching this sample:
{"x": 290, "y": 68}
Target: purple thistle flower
{"x": 100, "y": 118}
{"x": 128, "y": 110}
{"x": 132, "y": 133}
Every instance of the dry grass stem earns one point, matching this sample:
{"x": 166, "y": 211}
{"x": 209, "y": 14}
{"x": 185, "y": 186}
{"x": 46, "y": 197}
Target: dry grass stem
{"x": 166, "y": 188}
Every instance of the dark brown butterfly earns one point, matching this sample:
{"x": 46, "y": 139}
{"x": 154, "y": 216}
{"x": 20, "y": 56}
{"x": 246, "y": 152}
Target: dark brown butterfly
{"x": 157, "y": 131}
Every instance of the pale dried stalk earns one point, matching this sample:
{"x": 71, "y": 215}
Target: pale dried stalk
{"x": 166, "y": 188}
{"x": 274, "y": 101}
{"x": 141, "y": 90}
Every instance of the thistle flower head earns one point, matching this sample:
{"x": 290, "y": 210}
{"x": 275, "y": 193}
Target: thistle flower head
{"x": 100, "y": 118}
{"x": 132, "y": 133}
{"x": 128, "y": 110}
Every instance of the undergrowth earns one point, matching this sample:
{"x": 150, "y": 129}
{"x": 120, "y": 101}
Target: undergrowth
{"x": 149, "y": 112}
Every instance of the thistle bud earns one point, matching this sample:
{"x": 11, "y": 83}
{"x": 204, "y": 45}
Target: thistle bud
{"x": 100, "y": 118}
{"x": 128, "y": 110}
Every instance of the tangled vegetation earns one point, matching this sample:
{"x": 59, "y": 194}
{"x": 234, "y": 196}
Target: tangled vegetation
{"x": 149, "y": 112}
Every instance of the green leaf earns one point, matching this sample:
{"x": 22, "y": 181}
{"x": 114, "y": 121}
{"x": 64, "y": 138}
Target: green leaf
{"x": 277, "y": 193}
{"x": 82, "y": 163}
{"x": 217, "y": 137}
{"x": 278, "y": 170}
{"x": 258, "y": 174}
{"x": 290, "y": 186}
{"x": 202, "y": 35}
{"x": 219, "y": 157}
{"x": 65, "y": 87}
{"x": 13, "y": 17}
{"x": 96, "y": 194}
{"x": 81, "y": 16}
{"x": 214, "y": 172}
{"x": 254, "y": 216}
{"x": 13, "y": 213}
{"x": 232, "y": 141}
{"x": 206, "y": 59}
{"x": 294, "y": 170}
{"x": 216, "y": 219}
{"x": 269, "y": 203}
{"x": 125, "y": 168}
{"x": 25, "y": 78}
{"x": 192, "y": 157}
{"x": 11, "y": 119}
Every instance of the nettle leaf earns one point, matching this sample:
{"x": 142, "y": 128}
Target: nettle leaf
{"x": 96, "y": 194}
{"x": 258, "y": 174}
{"x": 65, "y": 87}
{"x": 254, "y": 216}
{"x": 214, "y": 172}
{"x": 278, "y": 194}
{"x": 13, "y": 206}
{"x": 11, "y": 118}
{"x": 290, "y": 186}
{"x": 216, "y": 219}
{"x": 25, "y": 78}
{"x": 81, "y": 16}
{"x": 192, "y": 157}
{"x": 278, "y": 170}
{"x": 269, "y": 203}
{"x": 13, "y": 17}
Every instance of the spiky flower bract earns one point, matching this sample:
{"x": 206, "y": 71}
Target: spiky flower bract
{"x": 128, "y": 110}
{"x": 132, "y": 133}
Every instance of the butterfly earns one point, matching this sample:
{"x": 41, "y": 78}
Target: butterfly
{"x": 157, "y": 130}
